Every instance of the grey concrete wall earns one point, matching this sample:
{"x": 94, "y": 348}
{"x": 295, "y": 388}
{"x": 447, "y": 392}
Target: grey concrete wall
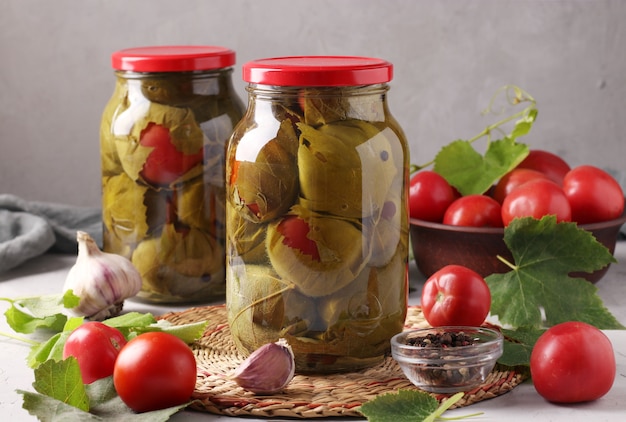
{"x": 449, "y": 57}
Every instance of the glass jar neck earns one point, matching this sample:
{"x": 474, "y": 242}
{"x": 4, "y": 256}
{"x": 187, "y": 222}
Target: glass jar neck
{"x": 365, "y": 102}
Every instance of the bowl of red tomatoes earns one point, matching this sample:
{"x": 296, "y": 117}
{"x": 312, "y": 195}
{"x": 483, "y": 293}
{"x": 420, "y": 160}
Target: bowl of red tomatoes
{"x": 449, "y": 228}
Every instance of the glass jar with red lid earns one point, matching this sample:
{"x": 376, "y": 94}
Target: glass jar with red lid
{"x": 316, "y": 209}
{"x": 163, "y": 141}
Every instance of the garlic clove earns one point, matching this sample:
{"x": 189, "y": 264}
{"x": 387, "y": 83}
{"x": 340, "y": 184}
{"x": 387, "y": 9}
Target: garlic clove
{"x": 101, "y": 280}
{"x": 267, "y": 370}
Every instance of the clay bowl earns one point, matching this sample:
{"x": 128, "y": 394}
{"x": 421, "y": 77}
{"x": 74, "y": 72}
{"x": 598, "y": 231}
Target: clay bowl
{"x": 437, "y": 245}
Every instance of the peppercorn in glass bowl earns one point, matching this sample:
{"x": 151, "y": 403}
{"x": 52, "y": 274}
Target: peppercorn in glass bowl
{"x": 447, "y": 359}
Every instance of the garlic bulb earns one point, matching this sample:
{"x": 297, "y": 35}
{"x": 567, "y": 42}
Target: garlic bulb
{"x": 268, "y": 369}
{"x": 101, "y": 280}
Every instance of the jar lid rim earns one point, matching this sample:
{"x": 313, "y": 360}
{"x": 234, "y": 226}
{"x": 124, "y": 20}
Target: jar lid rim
{"x": 172, "y": 58}
{"x": 318, "y": 71}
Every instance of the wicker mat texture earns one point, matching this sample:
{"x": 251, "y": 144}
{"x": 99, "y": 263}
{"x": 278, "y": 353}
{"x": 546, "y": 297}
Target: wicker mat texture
{"x": 306, "y": 396}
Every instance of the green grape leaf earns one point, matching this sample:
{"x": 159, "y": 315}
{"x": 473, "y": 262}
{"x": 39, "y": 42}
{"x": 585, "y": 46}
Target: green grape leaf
{"x": 409, "y": 406}
{"x": 518, "y": 346}
{"x": 471, "y": 173}
{"x": 405, "y": 405}
{"x": 545, "y": 254}
{"x": 105, "y": 405}
{"x": 62, "y": 381}
{"x": 188, "y": 333}
{"x": 28, "y": 314}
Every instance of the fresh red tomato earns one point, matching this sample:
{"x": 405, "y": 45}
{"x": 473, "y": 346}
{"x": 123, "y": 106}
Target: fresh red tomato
{"x": 429, "y": 196}
{"x": 593, "y": 194}
{"x": 95, "y": 346}
{"x": 455, "y": 295}
{"x": 295, "y": 231}
{"x": 572, "y": 362}
{"x": 548, "y": 163}
{"x": 536, "y": 198}
{"x": 165, "y": 163}
{"x": 153, "y": 371}
{"x": 474, "y": 211}
{"x": 513, "y": 179}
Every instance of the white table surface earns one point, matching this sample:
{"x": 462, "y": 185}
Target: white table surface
{"x": 46, "y": 274}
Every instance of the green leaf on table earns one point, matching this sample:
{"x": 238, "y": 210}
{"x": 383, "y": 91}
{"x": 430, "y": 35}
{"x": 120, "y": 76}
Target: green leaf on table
{"x": 129, "y": 323}
{"x": 470, "y": 172}
{"x": 61, "y": 380}
{"x": 409, "y": 406}
{"x": 106, "y": 405}
{"x": 405, "y": 405}
{"x": 545, "y": 253}
{"x": 135, "y": 323}
{"x": 46, "y": 408}
{"x": 28, "y": 314}
{"x": 186, "y": 332}
{"x": 53, "y": 347}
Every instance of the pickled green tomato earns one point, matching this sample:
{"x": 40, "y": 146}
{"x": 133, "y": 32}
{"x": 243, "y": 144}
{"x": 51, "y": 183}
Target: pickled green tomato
{"x": 318, "y": 254}
{"x": 345, "y": 168}
{"x": 262, "y": 186}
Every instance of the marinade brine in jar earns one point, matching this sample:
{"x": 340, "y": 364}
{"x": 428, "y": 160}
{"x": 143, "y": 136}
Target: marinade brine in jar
{"x": 163, "y": 143}
{"x": 317, "y": 218}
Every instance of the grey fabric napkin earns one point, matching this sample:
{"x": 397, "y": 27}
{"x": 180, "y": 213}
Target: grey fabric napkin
{"x": 31, "y": 228}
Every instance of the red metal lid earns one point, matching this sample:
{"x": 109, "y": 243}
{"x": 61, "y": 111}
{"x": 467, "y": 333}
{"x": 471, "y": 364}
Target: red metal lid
{"x": 175, "y": 58}
{"x": 318, "y": 71}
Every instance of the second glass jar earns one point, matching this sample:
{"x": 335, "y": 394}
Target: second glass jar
{"x": 163, "y": 144}
{"x": 316, "y": 208}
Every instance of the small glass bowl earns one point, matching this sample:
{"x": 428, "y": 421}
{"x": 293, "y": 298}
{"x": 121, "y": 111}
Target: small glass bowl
{"x": 449, "y": 369}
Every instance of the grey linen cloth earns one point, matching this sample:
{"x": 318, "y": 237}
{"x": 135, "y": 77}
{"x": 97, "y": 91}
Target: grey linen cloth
{"x": 31, "y": 228}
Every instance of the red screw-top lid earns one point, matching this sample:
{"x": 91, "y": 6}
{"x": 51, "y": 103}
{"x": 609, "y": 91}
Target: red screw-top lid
{"x": 175, "y": 58}
{"x": 318, "y": 71}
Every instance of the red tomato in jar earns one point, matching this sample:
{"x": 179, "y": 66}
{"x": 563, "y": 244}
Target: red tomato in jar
{"x": 536, "y": 198}
{"x": 429, "y": 196}
{"x": 513, "y": 179}
{"x": 593, "y": 194}
{"x": 474, "y": 211}
{"x": 165, "y": 163}
{"x": 572, "y": 362}
{"x": 155, "y": 370}
{"x": 95, "y": 346}
{"x": 455, "y": 295}
{"x": 548, "y": 163}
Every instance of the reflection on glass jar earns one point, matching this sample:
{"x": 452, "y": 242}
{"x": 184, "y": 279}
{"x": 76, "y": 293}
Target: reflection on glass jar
{"x": 316, "y": 204}
{"x": 163, "y": 142}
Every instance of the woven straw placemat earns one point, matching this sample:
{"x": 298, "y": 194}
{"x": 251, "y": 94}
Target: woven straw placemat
{"x": 306, "y": 396}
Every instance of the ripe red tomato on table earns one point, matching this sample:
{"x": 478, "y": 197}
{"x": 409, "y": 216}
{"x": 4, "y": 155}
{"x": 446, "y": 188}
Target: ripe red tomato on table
{"x": 536, "y": 198}
{"x": 474, "y": 211}
{"x": 548, "y": 163}
{"x": 593, "y": 194}
{"x": 513, "y": 179}
{"x": 572, "y": 362}
{"x": 95, "y": 346}
{"x": 455, "y": 295}
{"x": 165, "y": 163}
{"x": 155, "y": 370}
{"x": 429, "y": 196}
